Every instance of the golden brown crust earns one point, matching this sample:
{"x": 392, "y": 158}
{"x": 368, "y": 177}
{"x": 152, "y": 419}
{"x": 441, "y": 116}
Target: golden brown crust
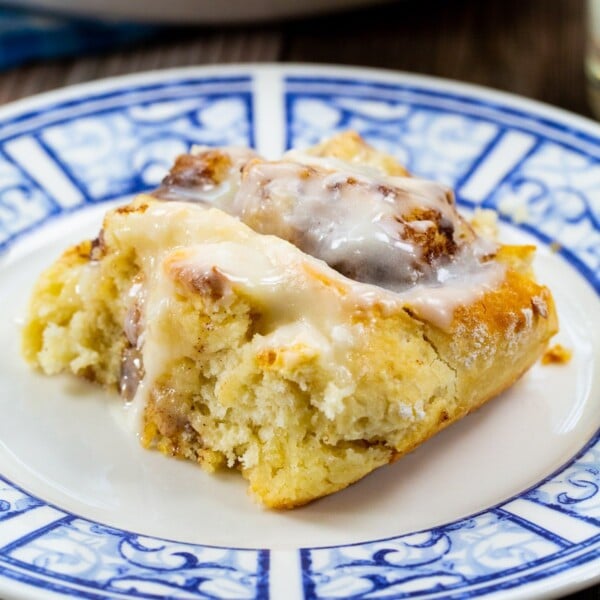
{"x": 557, "y": 355}
{"x": 493, "y": 341}
{"x": 351, "y": 147}
{"x": 133, "y": 207}
{"x": 434, "y": 241}
{"x": 193, "y": 170}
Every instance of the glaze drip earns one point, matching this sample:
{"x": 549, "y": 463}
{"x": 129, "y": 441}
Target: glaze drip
{"x": 389, "y": 231}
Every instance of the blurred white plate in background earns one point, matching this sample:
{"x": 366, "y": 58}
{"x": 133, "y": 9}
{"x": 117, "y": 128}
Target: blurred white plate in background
{"x": 192, "y": 11}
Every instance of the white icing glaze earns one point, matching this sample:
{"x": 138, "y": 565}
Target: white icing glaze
{"x": 393, "y": 232}
{"x": 307, "y": 306}
{"x": 360, "y": 225}
{"x": 270, "y": 277}
{"x": 274, "y": 277}
{"x": 437, "y": 303}
{"x": 204, "y": 190}
{"x": 133, "y": 325}
{"x": 134, "y": 409}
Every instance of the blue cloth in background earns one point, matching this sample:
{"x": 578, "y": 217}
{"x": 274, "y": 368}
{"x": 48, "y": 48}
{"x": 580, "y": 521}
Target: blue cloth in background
{"x": 27, "y": 36}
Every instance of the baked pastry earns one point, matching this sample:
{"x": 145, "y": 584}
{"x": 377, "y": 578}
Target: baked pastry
{"x": 338, "y": 316}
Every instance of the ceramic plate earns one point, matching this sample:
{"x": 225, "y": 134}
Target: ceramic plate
{"x": 191, "y": 11}
{"x": 504, "y": 503}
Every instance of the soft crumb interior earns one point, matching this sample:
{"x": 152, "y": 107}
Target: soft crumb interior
{"x": 76, "y": 315}
{"x": 227, "y": 393}
{"x": 281, "y": 413}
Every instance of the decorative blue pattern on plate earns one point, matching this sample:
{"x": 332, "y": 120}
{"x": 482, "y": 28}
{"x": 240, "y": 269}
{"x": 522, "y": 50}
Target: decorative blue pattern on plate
{"x": 82, "y": 555}
{"x": 445, "y": 558}
{"x": 576, "y": 491}
{"x": 112, "y": 560}
{"x": 429, "y": 142}
{"x": 22, "y": 202}
{"x": 540, "y": 173}
{"x": 14, "y": 501}
{"x": 143, "y": 139}
{"x": 556, "y": 192}
{"x": 113, "y": 145}
{"x": 468, "y": 557}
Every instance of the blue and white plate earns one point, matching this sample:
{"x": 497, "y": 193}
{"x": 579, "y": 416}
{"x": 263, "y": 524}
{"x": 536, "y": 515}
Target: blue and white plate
{"x": 505, "y": 503}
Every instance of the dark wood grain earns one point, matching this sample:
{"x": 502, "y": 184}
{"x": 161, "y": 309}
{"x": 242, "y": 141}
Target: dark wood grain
{"x": 533, "y": 47}
{"x": 171, "y": 48}
{"x": 529, "y": 47}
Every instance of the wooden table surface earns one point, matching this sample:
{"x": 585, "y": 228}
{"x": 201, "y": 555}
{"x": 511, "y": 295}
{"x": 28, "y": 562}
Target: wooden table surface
{"x": 530, "y": 47}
